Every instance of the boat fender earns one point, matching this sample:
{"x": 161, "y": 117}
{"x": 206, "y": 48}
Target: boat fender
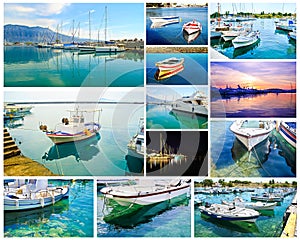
{"x": 43, "y": 128}
{"x": 17, "y": 203}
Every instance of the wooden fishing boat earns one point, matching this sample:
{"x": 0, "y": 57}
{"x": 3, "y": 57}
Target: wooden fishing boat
{"x": 74, "y": 128}
{"x": 163, "y": 74}
{"x": 192, "y": 27}
{"x": 169, "y": 63}
{"x": 164, "y": 20}
{"x": 288, "y": 131}
{"x": 146, "y": 193}
{"x": 34, "y": 194}
{"x": 250, "y": 136}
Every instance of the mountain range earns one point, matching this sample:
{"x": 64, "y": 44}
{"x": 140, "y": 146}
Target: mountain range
{"x": 19, "y": 33}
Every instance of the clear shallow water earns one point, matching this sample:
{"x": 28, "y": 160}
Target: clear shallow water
{"x": 194, "y": 72}
{"x": 72, "y": 217}
{"x": 262, "y": 105}
{"x": 172, "y": 34}
{"x": 273, "y": 44}
{"x": 39, "y": 67}
{"x": 273, "y": 157}
{"x": 157, "y": 220}
{"x": 269, "y": 224}
{"x": 161, "y": 116}
{"x": 103, "y": 155}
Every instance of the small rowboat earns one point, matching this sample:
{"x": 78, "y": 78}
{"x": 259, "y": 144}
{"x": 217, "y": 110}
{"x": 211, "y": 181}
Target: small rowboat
{"x": 163, "y": 74}
{"x": 192, "y": 27}
{"x": 239, "y": 202}
{"x": 169, "y": 63}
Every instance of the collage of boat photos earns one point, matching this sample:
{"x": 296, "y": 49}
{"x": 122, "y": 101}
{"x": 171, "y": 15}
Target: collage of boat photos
{"x": 169, "y": 119}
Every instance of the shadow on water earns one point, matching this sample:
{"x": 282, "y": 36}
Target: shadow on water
{"x": 35, "y": 216}
{"x": 235, "y": 226}
{"x": 14, "y": 123}
{"x": 135, "y": 165}
{"x": 83, "y": 150}
{"x": 190, "y": 120}
{"x": 130, "y": 217}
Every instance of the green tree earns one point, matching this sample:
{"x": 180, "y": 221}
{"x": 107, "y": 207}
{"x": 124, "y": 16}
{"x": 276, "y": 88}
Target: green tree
{"x": 207, "y": 183}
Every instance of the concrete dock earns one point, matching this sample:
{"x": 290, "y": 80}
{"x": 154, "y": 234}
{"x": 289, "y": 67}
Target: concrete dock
{"x": 290, "y": 221}
{"x": 15, "y": 164}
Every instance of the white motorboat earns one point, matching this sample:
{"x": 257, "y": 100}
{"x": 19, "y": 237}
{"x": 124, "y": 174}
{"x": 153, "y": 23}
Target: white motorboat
{"x": 286, "y": 25}
{"x": 288, "y": 131}
{"x": 251, "y": 134}
{"x": 110, "y": 48}
{"x": 147, "y": 193}
{"x": 267, "y": 197}
{"x": 33, "y": 194}
{"x": 239, "y": 202}
{"x": 192, "y": 27}
{"x": 293, "y": 35}
{"x": 75, "y": 128}
{"x": 196, "y": 104}
{"x": 136, "y": 146}
{"x": 243, "y": 41}
{"x": 228, "y": 213}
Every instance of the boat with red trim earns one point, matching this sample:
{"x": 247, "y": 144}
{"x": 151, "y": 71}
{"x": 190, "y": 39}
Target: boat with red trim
{"x": 192, "y": 27}
{"x": 288, "y": 131}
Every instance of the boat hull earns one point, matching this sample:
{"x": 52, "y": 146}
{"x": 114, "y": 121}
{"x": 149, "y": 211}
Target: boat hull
{"x": 134, "y": 153}
{"x": 147, "y": 198}
{"x": 163, "y": 74}
{"x": 27, "y": 204}
{"x": 287, "y": 134}
{"x": 109, "y": 49}
{"x": 189, "y": 108}
{"x": 60, "y": 139}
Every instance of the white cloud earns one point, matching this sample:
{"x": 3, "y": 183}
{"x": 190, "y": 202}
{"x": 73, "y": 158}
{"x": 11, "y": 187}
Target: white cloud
{"x": 50, "y": 8}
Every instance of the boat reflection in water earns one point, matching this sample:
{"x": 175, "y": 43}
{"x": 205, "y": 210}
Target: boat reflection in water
{"x": 241, "y": 51}
{"x": 190, "y": 120}
{"x": 135, "y": 165}
{"x": 83, "y": 150}
{"x": 257, "y": 156}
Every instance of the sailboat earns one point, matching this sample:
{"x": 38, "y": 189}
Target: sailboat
{"x": 109, "y": 47}
{"x": 87, "y": 48}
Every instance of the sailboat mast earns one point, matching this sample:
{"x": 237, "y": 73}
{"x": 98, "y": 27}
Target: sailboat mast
{"x": 90, "y": 27}
{"x": 105, "y": 29}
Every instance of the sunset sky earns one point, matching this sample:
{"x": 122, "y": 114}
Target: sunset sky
{"x": 260, "y": 75}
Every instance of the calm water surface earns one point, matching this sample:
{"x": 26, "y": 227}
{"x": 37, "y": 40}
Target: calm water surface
{"x": 161, "y": 116}
{"x": 194, "y": 72}
{"x": 273, "y": 157}
{"x": 268, "y": 224}
{"x": 43, "y": 67}
{"x": 71, "y": 217}
{"x": 262, "y": 105}
{"x": 102, "y": 155}
{"x": 273, "y": 44}
{"x": 172, "y": 34}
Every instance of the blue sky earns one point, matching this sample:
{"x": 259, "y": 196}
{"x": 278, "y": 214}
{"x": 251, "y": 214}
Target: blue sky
{"x": 124, "y": 20}
{"x": 257, "y": 7}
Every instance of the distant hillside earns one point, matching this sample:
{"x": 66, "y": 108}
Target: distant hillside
{"x": 19, "y": 33}
{"x": 151, "y": 99}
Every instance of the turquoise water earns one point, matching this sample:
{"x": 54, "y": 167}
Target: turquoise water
{"x": 273, "y": 157}
{"x": 161, "y": 116}
{"x": 71, "y": 217}
{"x": 273, "y": 44}
{"x": 194, "y": 72}
{"x": 268, "y": 224}
{"x": 172, "y": 34}
{"x": 43, "y": 67}
{"x": 166, "y": 219}
{"x": 102, "y": 155}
